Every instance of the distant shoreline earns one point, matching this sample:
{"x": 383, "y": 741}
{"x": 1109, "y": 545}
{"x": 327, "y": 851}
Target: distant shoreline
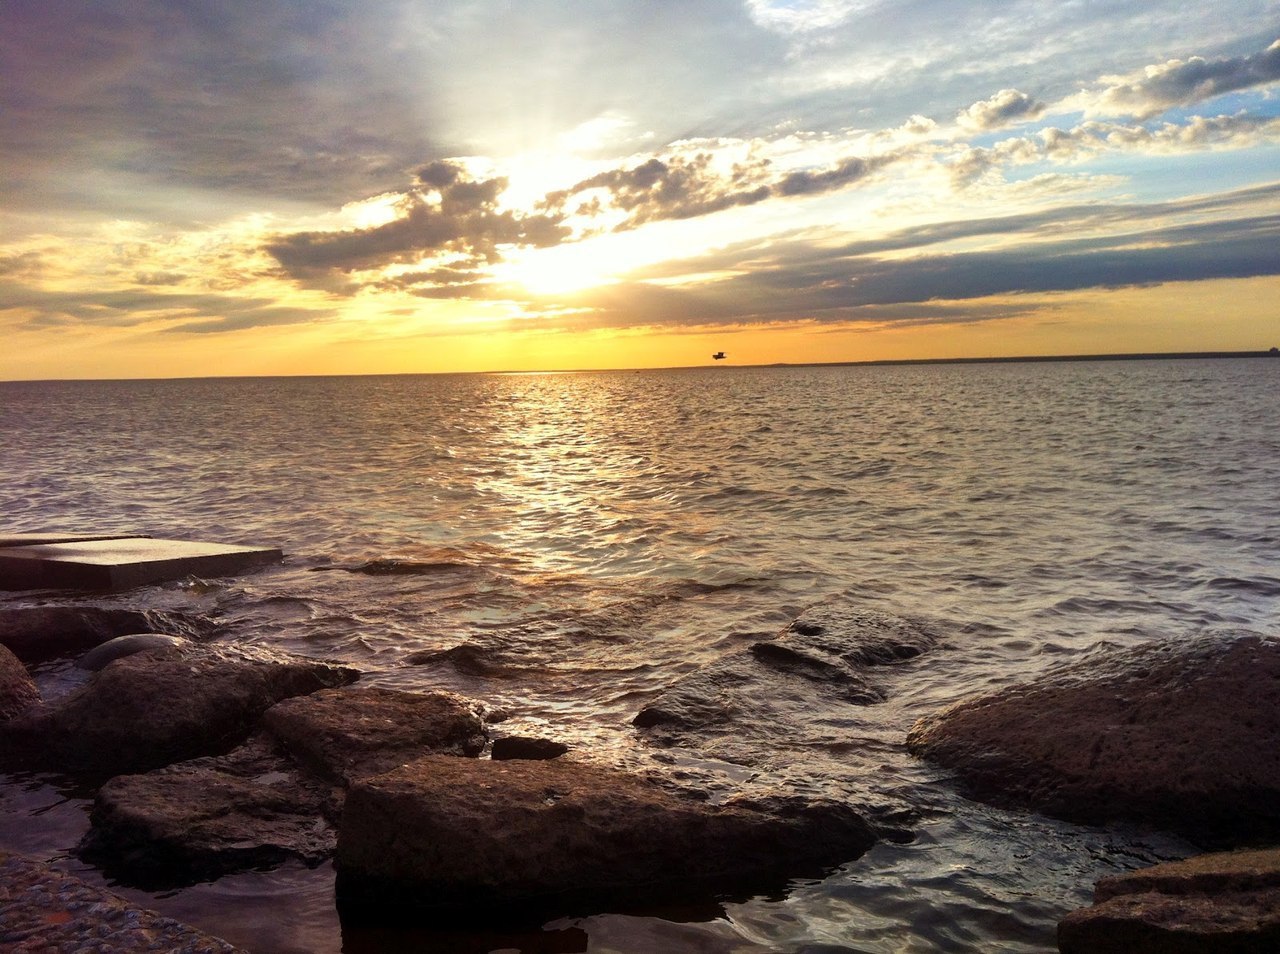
{"x": 872, "y": 363}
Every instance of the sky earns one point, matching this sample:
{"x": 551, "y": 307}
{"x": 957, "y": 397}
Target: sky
{"x": 243, "y": 187}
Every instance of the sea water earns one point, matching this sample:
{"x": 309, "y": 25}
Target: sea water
{"x": 563, "y": 546}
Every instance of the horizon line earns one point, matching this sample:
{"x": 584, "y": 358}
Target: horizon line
{"x": 871, "y": 362}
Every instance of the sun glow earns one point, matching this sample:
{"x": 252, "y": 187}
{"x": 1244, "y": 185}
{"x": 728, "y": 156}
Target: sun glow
{"x": 559, "y": 270}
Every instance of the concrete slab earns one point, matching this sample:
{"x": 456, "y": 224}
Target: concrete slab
{"x": 119, "y": 564}
{"x": 32, "y": 539}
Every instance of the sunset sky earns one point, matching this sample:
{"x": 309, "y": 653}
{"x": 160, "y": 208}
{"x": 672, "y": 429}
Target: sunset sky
{"x": 321, "y": 186}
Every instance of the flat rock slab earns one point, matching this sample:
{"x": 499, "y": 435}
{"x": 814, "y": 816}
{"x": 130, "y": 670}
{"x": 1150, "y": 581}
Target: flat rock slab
{"x": 1223, "y": 903}
{"x": 119, "y": 564}
{"x": 33, "y": 539}
{"x": 1182, "y": 734}
{"x": 47, "y": 910}
{"x": 462, "y": 836}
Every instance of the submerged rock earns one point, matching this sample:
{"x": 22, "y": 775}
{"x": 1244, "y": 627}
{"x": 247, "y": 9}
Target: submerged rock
{"x": 348, "y": 734}
{"x": 198, "y": 820}
{"x": 460, "y": 836}
{"x": 829, "y": 653}
{"x": 148, "y": 710}
{"x": 37, "y": 633}
{"x": 1182, "y": 734}
{"x": 17, "y": 692}
{"x": 1227, "y": 902}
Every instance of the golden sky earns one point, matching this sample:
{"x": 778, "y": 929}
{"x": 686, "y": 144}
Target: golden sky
{"x": 287, "y": 188}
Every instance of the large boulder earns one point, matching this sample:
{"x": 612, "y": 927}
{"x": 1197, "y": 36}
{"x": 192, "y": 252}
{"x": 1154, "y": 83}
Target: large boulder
{"x": 17, "y": 692}
{"x": 1182, "y": 734}
{"x": 461, "y": 836}
{"x": 151, "y": 709}
{"x": 347, "y": 734}
{"x": 198, "y": 820}
{"x": 1211, "y": 904}
{"x": 37, "y": 633}
{"x": 830, "y": 653}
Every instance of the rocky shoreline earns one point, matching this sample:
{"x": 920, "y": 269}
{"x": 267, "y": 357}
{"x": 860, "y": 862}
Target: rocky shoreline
{"x": 208, "y": 758}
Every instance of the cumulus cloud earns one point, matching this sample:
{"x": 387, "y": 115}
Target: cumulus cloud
{"x": 1092, "y": 138}
{"x": 677, "y": 187}
{"x": 446, "y": 213}
{"x": 1005, "y": 108}
{"x": 1180, "y": 83}
{"x": 680, "y": 187}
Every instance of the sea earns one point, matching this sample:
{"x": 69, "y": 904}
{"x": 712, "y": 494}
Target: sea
{"x": 563, "y": 546}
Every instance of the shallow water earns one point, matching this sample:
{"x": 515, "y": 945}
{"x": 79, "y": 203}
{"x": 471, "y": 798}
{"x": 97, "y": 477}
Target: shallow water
{"x": 580, "y": 540}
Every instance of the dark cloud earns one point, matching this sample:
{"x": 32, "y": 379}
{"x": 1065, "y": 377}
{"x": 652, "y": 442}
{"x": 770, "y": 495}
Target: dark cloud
{"x": 128, "y": 308}
{"x": 686, "y": 187}
{"x": 1058, "y": 250}
{"x": 1182, "y": 82}
{"x": 674, "y": 188}
{"x": 1005, "y": 108}
{"x": 458, "y": 216}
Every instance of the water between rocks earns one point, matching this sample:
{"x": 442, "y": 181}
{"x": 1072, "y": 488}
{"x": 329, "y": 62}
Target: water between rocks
{"x": 579, "y": 541}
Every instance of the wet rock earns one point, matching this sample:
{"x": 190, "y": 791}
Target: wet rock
{"x": 1182, "y": 734}
{"x": 277, "y": 796}
{"x": 1227, "y": 902}
{"x": 461, "y": 836}
{"x": 148, "y": 710}
{"x": 347, "y": 734}
{"x": 198, "y": 820}
{"x": 522, "y": 747}
{"x": 37, "y": 633}
{"x": 829, "y": 653}
{"x": 17, "y": 692}
{"x": 122, "y": 646}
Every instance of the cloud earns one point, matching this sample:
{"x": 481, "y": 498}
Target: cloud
{"x": 1155, "y": 89}
{"x": 1092, "y": 138}
{"x": 38, "y": 308}
{"x": 447, "y": 213}
{"x": 1005, "y": 108}
{"x": 677, "y": 187}
{"x": 1071, "y": 248}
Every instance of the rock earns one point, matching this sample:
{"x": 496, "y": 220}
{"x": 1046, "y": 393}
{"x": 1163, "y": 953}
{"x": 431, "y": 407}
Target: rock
{"x": 347, "y": 734}
{"x": 17, "y": 692}
{"x": 47, "y": 910}
{"x": 827, "y": 653}
{"x": 146, "y": 711}
{"x": 1182, "y": 734}
{"x": 464, "y": 837}
{"x": 198, "y": 820}
{"x": 273, "y": 798}
{"x": 520, "y": 747}
{"x": 35, "y": 634}
{"x": 127, "y": 645}
{"x": 1227, "y": 902}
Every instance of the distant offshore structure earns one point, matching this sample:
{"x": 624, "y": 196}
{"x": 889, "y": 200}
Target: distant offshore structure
{"x": 718, "y": 356}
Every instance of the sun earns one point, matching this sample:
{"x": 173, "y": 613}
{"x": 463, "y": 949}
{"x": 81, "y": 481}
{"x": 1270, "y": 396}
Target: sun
{"x": 557, "y": 271}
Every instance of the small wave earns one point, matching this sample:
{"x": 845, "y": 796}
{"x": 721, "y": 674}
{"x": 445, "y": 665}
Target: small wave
{"x": 1262, "y": 586}
{"x": 392, "y": 567}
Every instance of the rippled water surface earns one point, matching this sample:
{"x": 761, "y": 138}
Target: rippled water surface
{"x": 575, "y": 542}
